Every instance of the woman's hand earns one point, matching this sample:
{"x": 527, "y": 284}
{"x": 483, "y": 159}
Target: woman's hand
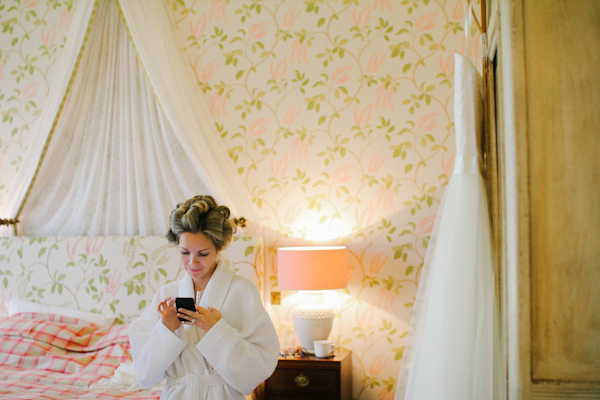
{"x": 203, "y": 318}
{"x": 168, "y": 314}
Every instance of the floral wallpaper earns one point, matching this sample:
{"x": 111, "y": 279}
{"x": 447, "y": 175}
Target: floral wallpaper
{"x": 33, "y": 35}
{"x": 338, "y": 115}
{"x": 111, "y": 275}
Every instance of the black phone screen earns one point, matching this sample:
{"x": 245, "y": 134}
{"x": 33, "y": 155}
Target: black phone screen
{"x": 185, "y": 302}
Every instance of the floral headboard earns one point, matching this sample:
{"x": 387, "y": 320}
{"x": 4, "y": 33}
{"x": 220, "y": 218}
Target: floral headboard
{"x": 111, "y": 275}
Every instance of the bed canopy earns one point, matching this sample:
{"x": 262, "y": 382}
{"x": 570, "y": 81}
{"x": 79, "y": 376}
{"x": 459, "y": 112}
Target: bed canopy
{"x": 125, "y": 133}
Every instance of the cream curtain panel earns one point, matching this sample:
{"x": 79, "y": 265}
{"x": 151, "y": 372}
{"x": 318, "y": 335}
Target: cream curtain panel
{"x": 161, "y": 53}
{"x": 453, "y": 348}
{"x": 133, "y": 138}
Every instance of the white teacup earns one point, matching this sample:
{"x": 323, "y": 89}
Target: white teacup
{"x": 323, "y": 348}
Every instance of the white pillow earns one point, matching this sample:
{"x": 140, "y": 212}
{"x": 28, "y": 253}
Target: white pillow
{"x": 17, "y": 306}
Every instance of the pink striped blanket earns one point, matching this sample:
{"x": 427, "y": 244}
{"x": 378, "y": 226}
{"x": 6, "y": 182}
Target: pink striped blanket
{"x": 46, "y": 356}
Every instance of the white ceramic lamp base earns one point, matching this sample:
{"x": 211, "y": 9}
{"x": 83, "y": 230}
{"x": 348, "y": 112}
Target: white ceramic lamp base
{"x": 309, "y": 330}
{"x": 313, "y": 319}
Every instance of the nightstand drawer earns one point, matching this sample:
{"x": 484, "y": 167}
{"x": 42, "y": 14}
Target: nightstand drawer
{"x": 305, "y": 381}
{"x": 310, "y": 378}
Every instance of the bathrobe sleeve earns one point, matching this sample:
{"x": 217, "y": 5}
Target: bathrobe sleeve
{"x": 242, "y": 346}
{"x": 153, "y": 346}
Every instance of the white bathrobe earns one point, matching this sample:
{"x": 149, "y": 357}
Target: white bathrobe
{"x": 238, "y": 353}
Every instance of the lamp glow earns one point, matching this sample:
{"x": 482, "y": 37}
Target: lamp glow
{"x": 312, "y": 269}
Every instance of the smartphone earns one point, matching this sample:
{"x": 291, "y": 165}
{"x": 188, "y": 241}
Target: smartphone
{"x": 185, "y": 302}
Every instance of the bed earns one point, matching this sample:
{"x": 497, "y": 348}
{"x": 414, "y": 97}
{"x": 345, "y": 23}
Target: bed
{"x": 65, "y": 306}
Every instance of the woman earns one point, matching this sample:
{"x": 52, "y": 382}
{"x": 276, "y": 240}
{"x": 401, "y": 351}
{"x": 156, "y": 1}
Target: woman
{"x": 225, "y": 348}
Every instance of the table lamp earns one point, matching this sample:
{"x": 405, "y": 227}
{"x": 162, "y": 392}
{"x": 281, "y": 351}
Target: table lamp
{"x": 312, "y": 269}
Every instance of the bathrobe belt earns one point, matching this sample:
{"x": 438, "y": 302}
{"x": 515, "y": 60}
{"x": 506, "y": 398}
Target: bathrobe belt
{"x": 196, "y": 386}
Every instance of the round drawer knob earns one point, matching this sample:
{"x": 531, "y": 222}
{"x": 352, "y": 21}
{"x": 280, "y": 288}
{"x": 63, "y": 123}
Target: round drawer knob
{"x": 302, "y": 380}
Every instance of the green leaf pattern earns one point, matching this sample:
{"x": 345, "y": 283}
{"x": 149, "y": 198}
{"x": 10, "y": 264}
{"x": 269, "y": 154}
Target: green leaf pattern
{"x": 338, "y": 116}
{"x": 114, "y": 275}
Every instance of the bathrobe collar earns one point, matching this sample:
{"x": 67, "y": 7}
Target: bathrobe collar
{"x": 216, "y": 290}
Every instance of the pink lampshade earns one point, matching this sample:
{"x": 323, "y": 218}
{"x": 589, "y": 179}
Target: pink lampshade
{"x": 312, "y": 267}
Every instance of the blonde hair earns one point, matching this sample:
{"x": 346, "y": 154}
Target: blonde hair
{"x": 201, "y": 214}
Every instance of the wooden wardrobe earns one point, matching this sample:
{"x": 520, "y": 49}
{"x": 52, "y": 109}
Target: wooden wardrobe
{"x": 543, "y": 151}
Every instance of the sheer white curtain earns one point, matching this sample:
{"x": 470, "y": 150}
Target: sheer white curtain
{"x": 452, "y": 351}
{"x": 12, "y": 200}
{"x": 116, "y": 164}
{"x": 153, "y": 32}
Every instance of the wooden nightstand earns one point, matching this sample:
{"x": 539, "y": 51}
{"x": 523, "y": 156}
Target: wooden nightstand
{"x": 304, "y": 378}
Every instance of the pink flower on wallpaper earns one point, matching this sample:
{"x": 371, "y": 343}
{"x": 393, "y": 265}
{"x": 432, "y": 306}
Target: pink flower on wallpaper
{"x": 218, "y": 104}
{"x": 114, "y": 283}
{"x": 387, "y": 299}
{"x": 72, "y": 249}
{"x": 384, "y": 98}
{"x": 362, "y": 19}
{"x": 279, "y": 168}
{"x": 458, "y": 12}
{"x": 362, "y": 118}
{"x": 292, "y": 213}
{"x": 386, "y": 394}
{"x": 426, "y": 224}
{"x": 341, "y": 175}
{"x": 257, "y": 30}
{"x": 31, "y": 90}
{"x": 340, "y": 75}
{"x": 27, "y": 4}
{"x": 377, "y": 263}
{"x": 378, "y": 364}
{"x": 447, "y": 167}
{"x": 197, "y": 28}
{"x": 463, "y": 43}
{"x": 217, "y": 9}
{"x": 365, "y": 317}
{"x": 278, "y": 72}
{"x": 364, "y": 217}
{"x": 375, "y": 62}
{"x": 291, "y": 114}
{"x": 93, "y": 245}
{"x": 376, "y": 162}
{"x": 299, "y": 52}
{"x": 385, "y": 199}
{"x": 447, "y": 66}
{"x": 258, "y": 127}
{"x": 290, "y": 17}
{"x": 427, "y": 122}
{"x": 383, "y": 5}
{"x": 66, "y": 17}
{"x": 49, "y": 38}
{"x": 473, "y": 49}
{"x": 300, "y": 150}
{"x": 210, "y": 69}
{"x": 426, "y": 22}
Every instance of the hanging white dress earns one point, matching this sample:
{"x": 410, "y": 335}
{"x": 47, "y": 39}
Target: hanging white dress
{"x": 453, "y": 335}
